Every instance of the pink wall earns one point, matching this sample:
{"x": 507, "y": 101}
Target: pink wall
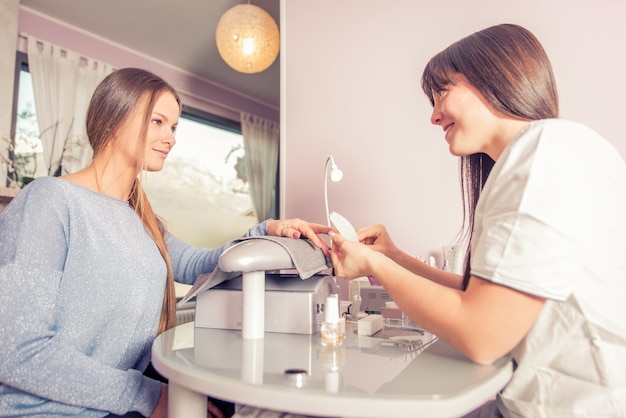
{"x": 350, "y": 88}
{"x": 206, "y": 96}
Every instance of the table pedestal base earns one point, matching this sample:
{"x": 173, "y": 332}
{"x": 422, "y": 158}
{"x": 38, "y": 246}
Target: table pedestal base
{"x": 185, "y": 403}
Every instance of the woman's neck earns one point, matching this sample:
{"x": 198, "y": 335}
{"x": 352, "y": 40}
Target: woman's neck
{"x": 106, "y": 178}
{"x": 507, "y": 131}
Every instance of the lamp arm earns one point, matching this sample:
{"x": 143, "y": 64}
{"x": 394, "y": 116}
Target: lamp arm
{"x": 326, "y": 190}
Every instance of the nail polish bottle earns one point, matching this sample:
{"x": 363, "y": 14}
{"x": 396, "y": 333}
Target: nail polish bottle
{"x": 332, "y": 332}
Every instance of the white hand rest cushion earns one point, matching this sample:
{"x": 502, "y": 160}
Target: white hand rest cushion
{"x": 259, "y": 254}
{"x": 255, "y": 255}
{"x": 266, "y": 252}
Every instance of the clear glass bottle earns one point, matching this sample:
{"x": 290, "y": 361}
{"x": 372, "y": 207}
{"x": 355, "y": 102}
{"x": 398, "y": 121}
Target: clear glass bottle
{"x": 333, "y": 328}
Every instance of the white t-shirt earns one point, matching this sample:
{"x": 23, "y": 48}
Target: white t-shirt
{"x": 551, "y": 222}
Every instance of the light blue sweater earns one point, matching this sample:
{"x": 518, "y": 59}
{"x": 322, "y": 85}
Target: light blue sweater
{"x": 81, "y": 287}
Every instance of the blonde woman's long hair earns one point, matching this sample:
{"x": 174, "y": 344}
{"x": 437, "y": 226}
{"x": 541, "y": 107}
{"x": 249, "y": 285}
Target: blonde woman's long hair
{"x": 115, "y": 99}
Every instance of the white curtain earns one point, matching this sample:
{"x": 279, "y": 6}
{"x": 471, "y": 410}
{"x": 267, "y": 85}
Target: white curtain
{"x": 63, "y": 83}
{"x": 261, "y": 140}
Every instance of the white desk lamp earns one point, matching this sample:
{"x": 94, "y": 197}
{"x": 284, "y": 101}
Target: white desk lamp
{"x": 345, "y": 228}
{"x": 335, "y": 175}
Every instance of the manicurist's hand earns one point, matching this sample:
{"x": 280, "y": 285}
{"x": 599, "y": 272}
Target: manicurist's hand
{"x": 377, "y": 237}
{"x": 297, "y": 228}
{"x": 351, "y": 259}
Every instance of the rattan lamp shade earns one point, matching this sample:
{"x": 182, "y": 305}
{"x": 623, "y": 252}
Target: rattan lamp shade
{"x": 247, "y": 38}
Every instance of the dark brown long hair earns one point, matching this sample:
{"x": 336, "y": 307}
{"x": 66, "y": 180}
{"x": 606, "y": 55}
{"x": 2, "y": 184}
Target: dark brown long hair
{"x": 114, "y": 101}
{"x": 509, "y": 67}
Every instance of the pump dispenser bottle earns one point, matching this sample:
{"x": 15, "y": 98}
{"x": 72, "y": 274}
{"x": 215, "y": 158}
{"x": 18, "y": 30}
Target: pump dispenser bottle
{"x": 333, "y": 328}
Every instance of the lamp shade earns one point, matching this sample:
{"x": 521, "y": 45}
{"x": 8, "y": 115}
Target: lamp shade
{"x": 247, "y": 38}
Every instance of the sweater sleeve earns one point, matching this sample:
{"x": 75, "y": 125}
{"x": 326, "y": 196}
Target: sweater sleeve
{"x": 188, "y": 262}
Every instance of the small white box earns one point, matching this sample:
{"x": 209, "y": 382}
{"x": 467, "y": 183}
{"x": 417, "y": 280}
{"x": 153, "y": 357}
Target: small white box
{"x": 292, "y": 305}
{"x": 370, "y": 325}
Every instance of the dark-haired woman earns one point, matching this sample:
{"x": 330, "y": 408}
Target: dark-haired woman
{"x": 545, "y": 276}
{"x": 87, "y": 269}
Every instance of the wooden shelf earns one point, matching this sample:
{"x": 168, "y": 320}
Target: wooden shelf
{"x": 6, "y": 195}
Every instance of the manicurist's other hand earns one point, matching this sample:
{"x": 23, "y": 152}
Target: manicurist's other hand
{"x": 377, "y": 237}
{"x": 297, "y": 228}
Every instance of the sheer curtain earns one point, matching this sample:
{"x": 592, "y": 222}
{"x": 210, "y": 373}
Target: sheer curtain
{"x": 63, "y": 82}
{"x": 261, "y": 140}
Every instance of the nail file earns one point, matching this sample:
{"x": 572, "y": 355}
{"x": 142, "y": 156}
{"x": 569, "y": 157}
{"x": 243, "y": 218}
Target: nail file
{"x": 344, "y": 226}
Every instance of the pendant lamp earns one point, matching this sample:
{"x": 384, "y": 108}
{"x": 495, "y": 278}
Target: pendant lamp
{"x": 247, "y": 38}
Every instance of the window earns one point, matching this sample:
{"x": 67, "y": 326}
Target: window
{"x": 26, "y": 149}
{"x": 202, "y": 193}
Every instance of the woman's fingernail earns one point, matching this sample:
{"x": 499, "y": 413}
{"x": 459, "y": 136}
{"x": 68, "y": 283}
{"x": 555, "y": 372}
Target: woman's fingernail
{"x": 331, "y": 233}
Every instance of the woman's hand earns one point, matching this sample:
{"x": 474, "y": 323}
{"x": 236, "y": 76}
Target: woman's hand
{"x": 296, "y": 228}
{"x": 377, "y": 237}
{"x": 351, "y": 259}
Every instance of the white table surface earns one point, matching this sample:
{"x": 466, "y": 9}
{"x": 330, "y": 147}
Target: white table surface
{"x": 363, "y": 379}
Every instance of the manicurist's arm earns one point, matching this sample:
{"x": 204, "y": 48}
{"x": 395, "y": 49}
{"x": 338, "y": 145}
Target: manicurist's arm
{"x": 377, "y": 237}
{"x": 484, "y": 322}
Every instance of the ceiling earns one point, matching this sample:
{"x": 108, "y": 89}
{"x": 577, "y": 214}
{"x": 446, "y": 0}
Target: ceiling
{"x": 180, "y": 33}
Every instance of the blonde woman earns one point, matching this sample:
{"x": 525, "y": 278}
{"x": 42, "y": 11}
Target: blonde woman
{"x": 87, "y": 269}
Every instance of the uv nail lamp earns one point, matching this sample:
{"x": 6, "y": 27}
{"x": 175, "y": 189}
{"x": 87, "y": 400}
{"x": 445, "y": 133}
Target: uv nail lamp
{"x": 263, "y": 299}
